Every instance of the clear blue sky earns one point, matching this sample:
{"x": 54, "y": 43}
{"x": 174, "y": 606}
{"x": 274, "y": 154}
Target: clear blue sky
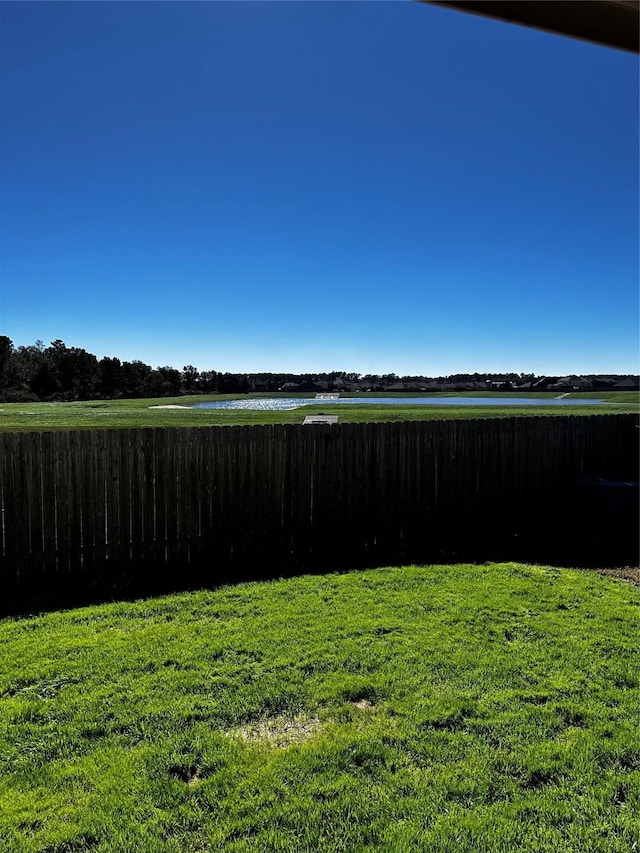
{"x": 371, "y": 187}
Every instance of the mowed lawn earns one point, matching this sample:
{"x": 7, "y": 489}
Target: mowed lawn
{"x": 441, "y": 708}
{"x": 119, "y": 414}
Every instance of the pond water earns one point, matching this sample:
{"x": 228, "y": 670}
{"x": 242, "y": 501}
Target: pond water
{"x": 281, "y": 404}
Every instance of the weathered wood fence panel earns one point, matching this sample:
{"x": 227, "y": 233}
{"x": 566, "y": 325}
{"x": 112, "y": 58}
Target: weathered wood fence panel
{"x": 83, "y": 505}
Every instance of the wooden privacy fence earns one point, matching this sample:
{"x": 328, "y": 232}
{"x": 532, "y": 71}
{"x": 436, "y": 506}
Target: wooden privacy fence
{"x": 90, "y": 504}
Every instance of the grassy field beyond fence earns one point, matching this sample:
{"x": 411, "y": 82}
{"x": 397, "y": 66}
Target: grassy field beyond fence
{"x": 130, "y": 414}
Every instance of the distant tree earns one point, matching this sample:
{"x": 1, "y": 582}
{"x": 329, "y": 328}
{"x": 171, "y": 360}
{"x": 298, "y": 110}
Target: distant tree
{"x": 71, "y": 373}
{"x": 170, "y": 382}
{"x": 27, "y": 362}
{"x": 209, "y": 381}
{"x": 73, "y": 370}
{"x": 136, "y": 379}
{"x": 56, "y": 372}
{"x": 6, "y": 365}
{"x": 190, "y": 377}
{"x": 43, "y": 382}
{"x": 232, "y": 383}
{"x": 109, "y": 378}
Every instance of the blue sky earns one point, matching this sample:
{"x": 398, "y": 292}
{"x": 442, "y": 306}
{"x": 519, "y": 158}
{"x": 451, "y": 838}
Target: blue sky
{"x": 371, "y": 187}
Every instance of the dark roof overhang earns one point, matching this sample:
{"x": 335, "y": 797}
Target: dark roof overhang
{"x": 613, "y": 23}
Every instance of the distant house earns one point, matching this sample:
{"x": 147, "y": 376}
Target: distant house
{"x": 571, "y": 383}
{"x": 543, "y": 383}
{"x": 300, "y": 387}
{"x": 406, "y": 386}
{"x": 581, "y": 384}
{"x": 631, "y": 383}
{"x": 259, "y": 385}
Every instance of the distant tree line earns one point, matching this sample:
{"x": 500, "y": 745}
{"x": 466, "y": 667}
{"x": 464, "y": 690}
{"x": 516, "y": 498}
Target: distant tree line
{"x": 61, "y": 373}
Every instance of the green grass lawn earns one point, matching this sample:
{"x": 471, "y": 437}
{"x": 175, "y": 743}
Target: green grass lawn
{"x": 115, "y": 414}
{"x": 443, "y": 708}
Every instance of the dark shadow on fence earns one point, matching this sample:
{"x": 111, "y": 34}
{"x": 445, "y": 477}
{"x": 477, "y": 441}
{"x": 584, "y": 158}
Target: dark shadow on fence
{"x": 97, "y": 515}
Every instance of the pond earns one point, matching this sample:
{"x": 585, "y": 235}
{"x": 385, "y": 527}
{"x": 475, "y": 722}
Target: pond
{"x": 281, "y": 404}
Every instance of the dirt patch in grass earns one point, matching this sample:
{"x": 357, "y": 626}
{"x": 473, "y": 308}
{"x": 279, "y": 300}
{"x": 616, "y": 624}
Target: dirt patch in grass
{"x": 362, "y": 704}
{"x": 280, "y": 732}
{"x": 628, "y": 573}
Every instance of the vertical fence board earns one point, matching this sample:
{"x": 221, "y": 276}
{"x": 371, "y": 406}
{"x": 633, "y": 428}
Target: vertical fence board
{"x": 128, "y": 504}
{"x": 75, "y": 463}
{"x": 206, "y": 554}
{"x": 135, "y": 463}
{"x": 8, "y": 572}
{"x": 193, "y": 488}
{"x": 28, "y": 457}
{"x": 12, "y": 505}
{"x": 281, "y": 506}
{"x": 160, "y": 474}
{"x": 145, "y": 455}
{"x": 86, "y": 499}
{"x": 173, "y": 483}
{"x": 223, "y": 510}
{"x": 64, "y": 500}
{"x": 102, "y": 472}
{"x": 114, "y": 510}
{"x": 49, "y": 506}
{"x": 181, "y": 507}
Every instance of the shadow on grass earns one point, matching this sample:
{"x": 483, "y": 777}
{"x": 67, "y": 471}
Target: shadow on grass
{"x": 130, "y": 582}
